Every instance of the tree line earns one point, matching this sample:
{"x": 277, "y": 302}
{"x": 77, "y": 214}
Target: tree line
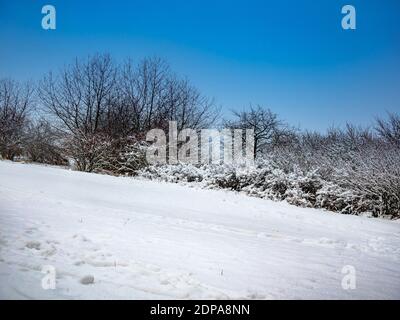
{"x": 94, "y": 113}
{"x": 93, "y": 109}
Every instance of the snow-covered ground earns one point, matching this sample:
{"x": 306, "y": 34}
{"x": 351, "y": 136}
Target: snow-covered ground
{"x": 151, "y": 240}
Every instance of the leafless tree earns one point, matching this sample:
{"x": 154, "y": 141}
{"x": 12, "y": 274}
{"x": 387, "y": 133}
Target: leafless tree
{"x": 101, "y": 107}
{"x": 16, "y": 102}
{"x": 186, "y": 105}
{"x": 143, "y": 86}
{"x": 78, "y": 99}
{"x": 79, "y": 96}
{"x": 269, "y": 131}
{"x": 155, "y": 96}
{"x": 389, "y": 129}
{"x": 43, "y": 144}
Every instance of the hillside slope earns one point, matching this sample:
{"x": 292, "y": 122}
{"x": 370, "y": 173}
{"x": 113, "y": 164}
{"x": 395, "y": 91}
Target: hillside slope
{"x": 151, "y": 240}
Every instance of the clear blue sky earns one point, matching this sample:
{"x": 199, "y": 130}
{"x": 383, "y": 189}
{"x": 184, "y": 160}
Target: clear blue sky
{"x": 291, "y": 56}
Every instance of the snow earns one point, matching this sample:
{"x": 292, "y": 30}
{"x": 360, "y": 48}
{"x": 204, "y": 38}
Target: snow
{"x": 124, "y": 238}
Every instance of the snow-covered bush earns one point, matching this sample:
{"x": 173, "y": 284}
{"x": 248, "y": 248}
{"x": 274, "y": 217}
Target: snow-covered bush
{"x": 306, "y": 189}
{"x": 43, "y": 144}
{"x": 87, "y": 150}
{"x": 96, "y": 114}
{"x": 126, "y": 157}
{"x": 180, "y": 172}
{"x": 374, "y": 175}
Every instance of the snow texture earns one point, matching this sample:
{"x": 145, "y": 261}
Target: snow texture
{"x": 113, "y": 237}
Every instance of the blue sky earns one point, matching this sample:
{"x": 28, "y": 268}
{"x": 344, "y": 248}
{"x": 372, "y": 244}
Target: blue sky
{"x": 290, "y": 56}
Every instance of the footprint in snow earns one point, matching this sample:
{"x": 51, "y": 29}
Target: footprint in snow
{"x": 33, "y": 245}
{"x": 89, "y": 279}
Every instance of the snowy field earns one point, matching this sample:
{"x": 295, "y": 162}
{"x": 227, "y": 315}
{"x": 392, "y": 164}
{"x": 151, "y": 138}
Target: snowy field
{"x": 152, "y": 240}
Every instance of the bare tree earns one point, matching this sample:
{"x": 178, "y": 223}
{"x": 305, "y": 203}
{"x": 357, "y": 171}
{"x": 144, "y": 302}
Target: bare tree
{"x": 79, "y": 96}
{"x": 16, "y": 101}
{"x": 43, "y": 144}
{"x": 144, "y": 86}
{"x": 101, "y": 108}
{"x": 389, "y": 130}
{"x": 78, "y": 100}
{"x": 155, "y": 96}
{"x": 268, "y": 129}
{"x": 186, "y": 105}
